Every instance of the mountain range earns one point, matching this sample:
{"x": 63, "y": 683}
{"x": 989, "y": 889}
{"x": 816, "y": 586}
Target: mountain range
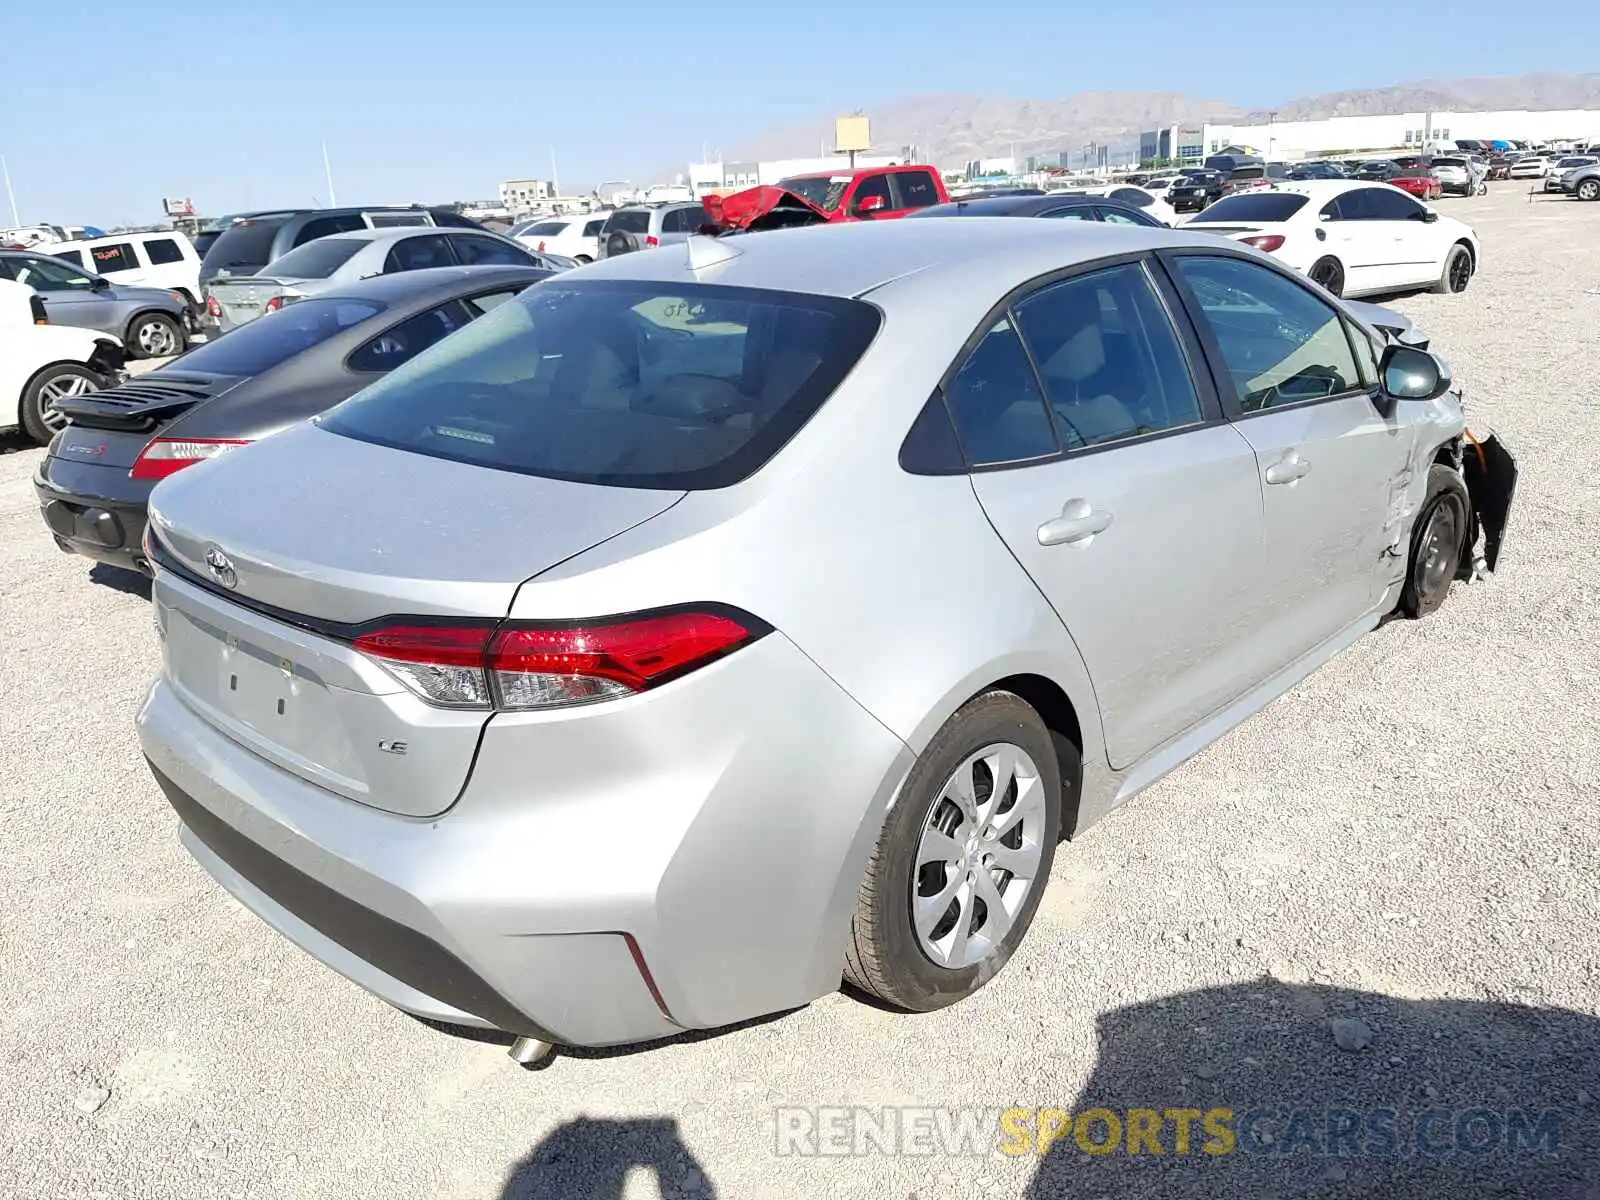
{"x": 951, "y": 128}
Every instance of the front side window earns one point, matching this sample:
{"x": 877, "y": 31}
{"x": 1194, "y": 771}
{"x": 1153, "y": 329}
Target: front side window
{"x": 1122, "y": 216}
{"x": 418, "y": 254}
{"x": 161, "y": 251}
{"x": 995, "y": 401}
{"x": 410, "y": 338}
{"x": 1388, "y": 204}
{"x": 1080, "y": 213}
{"x": 1137, "y": 197}
{"x": 1111, "y": 363}
{"x": 117, "y": 257}
{"x": 872, "y": 185}
{"x": 626, "y": 383}
{"x": 1280, "y": 343}
{"x": 46, "y": 275}
{"x": 593, "y": 228}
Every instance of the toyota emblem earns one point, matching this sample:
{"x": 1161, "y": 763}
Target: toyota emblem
{"x": 221, "y": 567}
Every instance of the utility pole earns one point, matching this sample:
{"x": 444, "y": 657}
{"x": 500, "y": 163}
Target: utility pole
{"x": 327, "y": 171}
{"x": 10, "y": 195}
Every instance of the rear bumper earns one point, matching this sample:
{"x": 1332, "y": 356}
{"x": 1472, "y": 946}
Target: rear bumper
{"x": 606, "y": 876}
{"x": 108, "y": 531}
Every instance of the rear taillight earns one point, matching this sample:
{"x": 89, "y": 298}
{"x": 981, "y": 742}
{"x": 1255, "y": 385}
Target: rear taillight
{"x": 1264, "y": 241}
{"x": 521, "y": 667}
{"x": 36, "y": 307}
{"x": 651, "y": 239}
{"x": 213, "y": 309}
{"x": 167, "y": 456}
{"x": 272, "y": 305}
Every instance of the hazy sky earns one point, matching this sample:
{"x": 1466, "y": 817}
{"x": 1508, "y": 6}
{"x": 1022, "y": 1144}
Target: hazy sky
{"x": 105, "y": 108}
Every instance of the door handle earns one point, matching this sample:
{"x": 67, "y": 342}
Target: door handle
{"x": 1288, "y": 468}
{"x": 1078, "y": 523}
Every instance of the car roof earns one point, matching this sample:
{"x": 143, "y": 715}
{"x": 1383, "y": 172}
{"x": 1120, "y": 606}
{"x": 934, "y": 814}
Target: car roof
{"x": 391, "y": 233}
{"x": 849, "y": 259}
{"x": 430, "y": 282}
{"x": 74, "y": 243}
{"x": 1014, "y": 206}
{"x": 1324, "y": 189}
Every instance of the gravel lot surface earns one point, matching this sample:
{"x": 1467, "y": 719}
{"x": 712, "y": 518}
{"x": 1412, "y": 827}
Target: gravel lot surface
{"x": 1407, "y": 839}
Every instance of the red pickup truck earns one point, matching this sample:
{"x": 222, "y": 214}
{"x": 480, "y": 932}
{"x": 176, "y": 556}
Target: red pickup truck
{"x": 863, "y": 194}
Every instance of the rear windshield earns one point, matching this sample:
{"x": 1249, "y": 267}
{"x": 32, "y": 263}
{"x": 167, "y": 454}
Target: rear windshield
{"x": 204, "y": 239}
{"x": 623, "y": 383}
{"x": 1449, "y": 162}
{"x": 1569, "y": 163}
{"x": 318, "y": 259}
{"x": 822, "y": 190}
{"x": 1247, "y": 173}
{"x": 636, "y": 220}
{"x": 277, "y": 337}
{"x": 1252, "y": 206}
{"x": 244, "y": 246}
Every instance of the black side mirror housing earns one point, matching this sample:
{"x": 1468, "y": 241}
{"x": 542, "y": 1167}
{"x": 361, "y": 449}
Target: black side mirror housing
{"x": 1429, "y": 216}
{"x": 1408, "y": 373}
{"x": 99, "y": 283}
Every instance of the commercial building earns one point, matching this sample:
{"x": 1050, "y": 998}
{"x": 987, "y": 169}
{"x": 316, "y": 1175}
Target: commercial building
{"x": 522, "y": 195}
{"x": 1291, "y": 140}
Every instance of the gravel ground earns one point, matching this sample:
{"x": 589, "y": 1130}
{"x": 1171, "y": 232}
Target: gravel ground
{"x": 1406, "y": 840}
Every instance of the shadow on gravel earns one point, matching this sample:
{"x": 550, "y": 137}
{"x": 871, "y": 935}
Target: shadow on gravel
{"x": 13, "y": 440}
{"x": 120, "y": 580}
{"x": 591, "y": 1157}
{"x": 1433, "y": 1098}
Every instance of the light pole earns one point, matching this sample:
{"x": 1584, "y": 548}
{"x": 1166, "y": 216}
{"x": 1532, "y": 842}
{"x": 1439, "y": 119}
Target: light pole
{"x": 10, "y": 195}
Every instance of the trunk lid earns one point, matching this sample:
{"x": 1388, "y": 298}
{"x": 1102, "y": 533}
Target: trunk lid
{"x": 145, "y": 403}
{"x": 244, "y": 297}
{"x": 318, "y": 533}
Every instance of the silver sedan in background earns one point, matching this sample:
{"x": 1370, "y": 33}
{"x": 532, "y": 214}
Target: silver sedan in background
{"x": 703, "y": 625}
{"x": 341, "y": 258}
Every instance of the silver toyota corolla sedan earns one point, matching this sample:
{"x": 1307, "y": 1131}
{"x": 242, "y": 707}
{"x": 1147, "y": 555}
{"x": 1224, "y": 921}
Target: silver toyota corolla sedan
{"x": 697, "y": 628}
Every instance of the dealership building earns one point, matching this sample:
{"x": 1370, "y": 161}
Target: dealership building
{"x": 1291, "y": 140}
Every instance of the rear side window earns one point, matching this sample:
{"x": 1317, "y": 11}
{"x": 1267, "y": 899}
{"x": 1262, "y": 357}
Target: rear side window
{"x": 72, "y": 256}
{"x": 635, "y": 220}
{"x": 917, "y": 189}
{"x": 623, "y": 383}
{"x": 996, "y": 403}
{"x": 161, "y": 251}
{"x": 318, "y": 260}
{"x": 476, "y": 250}
{"x": 1111, "y": 363}
{"x": 118, "y": 257}
{"x": 410, "y": 338}
{"x": 263, "y": 344}
{"x": 593, "y": 228}
{"x": 244, "y": 246}
{"x": 1137, "y": 197}
{"x": 418, "y": 254}
{"x": 321, "y": 227}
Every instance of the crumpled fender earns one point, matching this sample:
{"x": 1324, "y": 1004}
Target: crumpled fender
{"x": 1490, "y": 471}
{"x": 764, "y": 207}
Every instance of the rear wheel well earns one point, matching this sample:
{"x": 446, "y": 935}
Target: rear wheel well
{"x": 1056, "y": 710}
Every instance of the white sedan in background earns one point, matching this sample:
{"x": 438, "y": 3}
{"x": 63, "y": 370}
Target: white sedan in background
{"x": 1138, "y": 197}
{"x": 575, "y": 235}
{"x": 1353, "y": 238}
{"x": 44, "y": 363}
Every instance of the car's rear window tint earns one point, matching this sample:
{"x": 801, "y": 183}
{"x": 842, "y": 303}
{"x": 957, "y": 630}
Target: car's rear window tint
{"x": 243, "y": 247}
{"x": 277, "y": 337}
{"x": 633, "y": 221}
{"x": 623, "y": 383}
{"x": 316, "y": 260}
{"x": 1254, "y": 206}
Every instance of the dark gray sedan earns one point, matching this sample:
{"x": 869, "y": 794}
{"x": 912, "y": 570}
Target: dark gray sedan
{"x": 247, "y": 384}
{"x": 152, "y": 322}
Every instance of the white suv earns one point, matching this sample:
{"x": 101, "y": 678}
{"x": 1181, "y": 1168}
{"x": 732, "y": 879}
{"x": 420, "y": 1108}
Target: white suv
{"x": 165, "y": 259}
{"x": 646, "y": 226}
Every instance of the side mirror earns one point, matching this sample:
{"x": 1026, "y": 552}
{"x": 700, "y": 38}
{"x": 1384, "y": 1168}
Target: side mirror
{"x": 99, "y": 283}
{"x": 871, "y": 204}
{"x": 1429, "y": 216}
{"x": 1412, "y": 374}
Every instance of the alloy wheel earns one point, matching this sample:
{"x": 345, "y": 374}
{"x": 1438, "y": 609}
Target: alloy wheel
{"x": 156, "y": 339}
{"x": 1460, "y": 272}
{"x": 60, "y": 389}
{"x": 979, "y": 855}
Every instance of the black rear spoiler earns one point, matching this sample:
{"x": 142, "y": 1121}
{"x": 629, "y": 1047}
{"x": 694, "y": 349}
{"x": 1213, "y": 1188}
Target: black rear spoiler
{"x": 141, "y": 404}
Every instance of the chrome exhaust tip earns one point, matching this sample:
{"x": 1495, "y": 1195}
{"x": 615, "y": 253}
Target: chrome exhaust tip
{"x": 530, "y": 1052}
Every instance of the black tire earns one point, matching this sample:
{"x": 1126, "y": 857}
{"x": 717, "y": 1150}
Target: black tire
{"x": 1438, "y": 542}
{"x": 1457, "y": 272}
{"x": 153, "y": 335}
{"x": 33, "y": 414}
{"x": 620, "y": 242}
{"x": 1329, "y": 272}
{"x": 884, "y": 956}
{"x": 1588, "y": 189}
